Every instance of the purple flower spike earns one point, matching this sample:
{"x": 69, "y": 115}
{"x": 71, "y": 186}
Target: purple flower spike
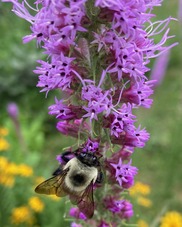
{"x": 105, "y": 224}
{"x": 91, "y": 146}
{"x": 124, "y": 173}
{"x": 122, "y": 208}
{"x": 73, "y": 224}
{"x": 97, "y": 56}
{"x": 127, "y": 210}
{"x": 74, "y": 212}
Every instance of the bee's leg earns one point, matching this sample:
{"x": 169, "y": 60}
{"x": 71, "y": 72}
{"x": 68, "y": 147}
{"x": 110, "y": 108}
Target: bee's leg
{"x": 99, "y": 177}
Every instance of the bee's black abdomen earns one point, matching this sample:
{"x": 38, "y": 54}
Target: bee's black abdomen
{"x": 78, "y": 179}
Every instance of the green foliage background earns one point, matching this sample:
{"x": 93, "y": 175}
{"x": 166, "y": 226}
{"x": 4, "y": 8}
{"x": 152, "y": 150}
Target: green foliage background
{"x": 159, "y": 162}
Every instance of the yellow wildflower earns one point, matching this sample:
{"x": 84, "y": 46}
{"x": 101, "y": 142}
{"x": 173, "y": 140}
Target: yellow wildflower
{"x": 144, "y": 201}
{"x": 140, "y": 188}
{"x": 21, "y": 215}
{"x": 12, "y": 168}
{"x": 3, "y": 163}
{"x": 4, "y": 145}
{"x": 9, "y": 169}
{"x": 142, "y": 223}
{"x": 39, "y": 180}
{"x": 54, "y": 197}
{"x": 36, "y": 204}
{"x": 24, "y": 170}
{"x": 4, "y": 131}
{"x": 171, "y": 219}
{"x": 7, "y": 180}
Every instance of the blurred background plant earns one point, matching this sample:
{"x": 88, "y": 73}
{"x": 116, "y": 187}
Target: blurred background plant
{"x": 29, "y": 140}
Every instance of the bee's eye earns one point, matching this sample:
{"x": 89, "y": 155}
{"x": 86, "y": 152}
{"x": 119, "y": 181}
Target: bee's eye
{"x": 94, "y": 158}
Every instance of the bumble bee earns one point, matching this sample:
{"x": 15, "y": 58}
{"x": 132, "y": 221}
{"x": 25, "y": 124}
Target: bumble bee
{"x": 76, "y": 178}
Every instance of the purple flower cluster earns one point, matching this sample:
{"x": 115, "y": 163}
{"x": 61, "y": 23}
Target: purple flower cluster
{"x": 74, "y": 212}
{"x": 122, "y": 208}
{"x": 124, "y": 173}
{"x": 98, "y": 52}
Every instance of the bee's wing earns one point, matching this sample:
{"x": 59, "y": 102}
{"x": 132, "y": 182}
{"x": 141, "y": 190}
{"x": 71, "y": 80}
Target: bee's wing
{"x": 85, "y": 201}
{"x": 53, "y": 186}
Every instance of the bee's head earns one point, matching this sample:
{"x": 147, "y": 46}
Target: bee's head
{"x": 88, "y": 158}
